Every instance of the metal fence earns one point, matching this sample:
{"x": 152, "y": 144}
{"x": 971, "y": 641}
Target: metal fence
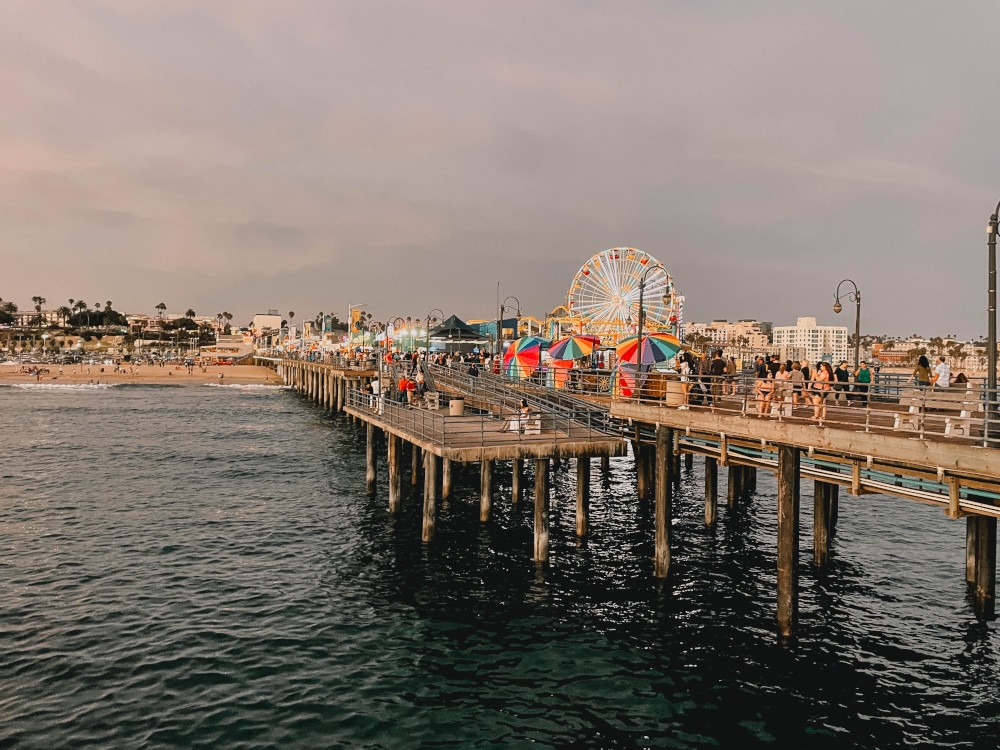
{"x": 964, "y": 412}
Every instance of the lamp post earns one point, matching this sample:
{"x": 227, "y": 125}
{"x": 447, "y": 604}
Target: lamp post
{"x": 503, "y": 306}
{"x": 991, "y": 330}
{"x": 837, "y": 307}
{"x": 427, "y": 350}
{"x": 642, "y": 311}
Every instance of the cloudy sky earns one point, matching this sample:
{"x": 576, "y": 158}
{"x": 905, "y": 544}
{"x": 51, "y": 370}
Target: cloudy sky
{"x": 307, "y": 155}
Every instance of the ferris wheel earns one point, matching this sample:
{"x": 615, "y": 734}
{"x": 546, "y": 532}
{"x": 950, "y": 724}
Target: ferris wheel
{"x": 604, "y": 295}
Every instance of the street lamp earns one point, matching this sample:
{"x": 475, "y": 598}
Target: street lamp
{"x": 642, "y": 310}
{"x": 991, "y": 335}
{"x": 503, "y": 306}
{"x": 427, "y": 351}
{"x": 837, "y": 307}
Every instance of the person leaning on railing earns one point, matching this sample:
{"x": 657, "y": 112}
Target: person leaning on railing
{"x": 921, "y": 373}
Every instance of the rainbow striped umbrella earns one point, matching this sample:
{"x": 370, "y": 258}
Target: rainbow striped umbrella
{"x": 576, "y": 346}
{"x": 656, "y": 347}
{"x": 522, "y": 356}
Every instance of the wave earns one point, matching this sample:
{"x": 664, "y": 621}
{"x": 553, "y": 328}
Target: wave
{"x": 250, "y": 386}
{"x": 64, "y": 386}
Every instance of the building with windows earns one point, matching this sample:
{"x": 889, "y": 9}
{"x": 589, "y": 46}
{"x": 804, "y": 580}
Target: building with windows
{"x": 814, "y": 342}
{"x": 740, "y": 339}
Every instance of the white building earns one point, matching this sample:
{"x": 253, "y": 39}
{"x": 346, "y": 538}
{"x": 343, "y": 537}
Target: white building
{"x": 740, "y": 339}
{"x": 814, "y": 342}
{"x": 271, "y": 319}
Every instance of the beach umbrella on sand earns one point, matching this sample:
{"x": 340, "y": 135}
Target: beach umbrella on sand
{"x": 656, "y": 347}
{"x": 522, "y": 356}
{"x": 576, "y": 346}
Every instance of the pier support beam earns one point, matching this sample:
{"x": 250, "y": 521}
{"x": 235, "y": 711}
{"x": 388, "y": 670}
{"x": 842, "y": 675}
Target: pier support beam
{"x": 971, "y": 536}
{"x": 415, "y": 466}
{"x": 445, "y": 478}
{"x": 430, "y": 496}
{"x": 735, "y": 488}
{"x": 341, "y": 394}
{"x": 986, "y": 568}
{"x": 371, "y": 468}
{"x": 822, "y": 507}
{"x": 689, "y": 461}
{"x": 666, "y": 466}
{"x": 711, "y": 490}
{"x": 395, "y": 472}
{"x": 517, "y": 480}
{"x": 641, "y": 475}
{"x": 485, "y": 489}
{"x": 788, "y": 538}
{"x": 605, "y": 464}
{"x": 582, "y": 494}
{"x": 750, "y": 479}
{"x": 541, "y": 509}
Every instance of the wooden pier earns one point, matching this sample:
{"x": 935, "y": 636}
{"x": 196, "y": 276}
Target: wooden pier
{"x": 863, "y": 456}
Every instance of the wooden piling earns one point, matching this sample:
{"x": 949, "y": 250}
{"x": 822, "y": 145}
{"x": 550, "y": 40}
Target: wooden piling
{"x": 750, "y": 479}
{"x": 986, "y": 568}
{"x": 341, "y": 394}
{"x": 821, "y": 523}
{"x": 395, "y": 472}
{"x": 689, "y": 461}
{"x": 788, "y": 538}
{"x": 734, "y": 489}
{"x": 415, "y": 466}
{"x": 605, "y": 464}
{"x": 665, "y": 468}
{"x": 485, "y": 489}
{"x": 430, "y": 496}
{"x": 371, "y": 469}
{"x": 971, "y": 539}
{"x": 711, "y": 491}
{"x": 541, "y": 510}
{"x": 517, "y": 480}
{"x": 445, "y": 478}
{"x": 582, "y": 494}
{"x": 641, "y": 475}
{"x": 834, "y": 510}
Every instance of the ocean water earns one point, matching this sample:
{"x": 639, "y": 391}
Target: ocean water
{"x": 200, "y": 567}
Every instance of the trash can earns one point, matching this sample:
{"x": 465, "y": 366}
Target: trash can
{"x": 456, "y": 407}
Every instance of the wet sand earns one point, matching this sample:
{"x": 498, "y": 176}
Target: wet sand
{"x": 146, "y": 374}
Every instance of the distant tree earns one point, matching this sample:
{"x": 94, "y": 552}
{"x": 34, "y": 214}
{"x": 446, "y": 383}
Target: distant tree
{"x": 64, "y": 314}
{"x": 39, "y": 301}
{"x": 160, "y": 308}
{"x": 189, "y": 313}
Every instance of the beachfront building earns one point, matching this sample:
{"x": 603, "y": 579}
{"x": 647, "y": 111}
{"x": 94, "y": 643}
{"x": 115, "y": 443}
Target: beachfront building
{"x": 812, "y": 341}
{"x": 739, "y": 339}
{"x": 269, "y": 320}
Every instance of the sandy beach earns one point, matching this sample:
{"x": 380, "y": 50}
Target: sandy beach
{"x": 146, "y": 374}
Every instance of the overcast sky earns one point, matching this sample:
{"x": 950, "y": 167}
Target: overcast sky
{"x": 308, "y": 155}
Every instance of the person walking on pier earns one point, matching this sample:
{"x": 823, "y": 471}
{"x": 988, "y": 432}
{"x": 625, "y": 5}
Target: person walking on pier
{"x": 717, "y": 369}
{"x": 730, "y": 388}
{"x": 822, "y": 378}
{"x": 843, "y": 376}
{"x": 862, "y": 382}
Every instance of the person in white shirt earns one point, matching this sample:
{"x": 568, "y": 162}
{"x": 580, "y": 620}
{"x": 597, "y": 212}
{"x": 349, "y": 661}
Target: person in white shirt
{"x": 942, "y": 374}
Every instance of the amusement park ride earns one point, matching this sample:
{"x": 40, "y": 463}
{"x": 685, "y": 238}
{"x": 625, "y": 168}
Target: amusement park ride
{"x": 603, "y": 299}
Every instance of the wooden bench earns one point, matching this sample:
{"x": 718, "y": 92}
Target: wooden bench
{"x": 431, "y": 401}
{"x": 920, "y": 404}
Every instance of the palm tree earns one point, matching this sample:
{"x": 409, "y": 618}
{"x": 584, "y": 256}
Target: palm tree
{"x": 160, "y": 308}
{"x": 64, "y": 313}
{"x": 189, "y": 313}
{"x": 39, "y": 301}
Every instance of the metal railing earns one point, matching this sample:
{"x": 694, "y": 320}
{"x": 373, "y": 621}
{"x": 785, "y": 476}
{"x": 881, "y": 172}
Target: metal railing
{"x": 493, "y": 413}
{"x": 963, "y": 412}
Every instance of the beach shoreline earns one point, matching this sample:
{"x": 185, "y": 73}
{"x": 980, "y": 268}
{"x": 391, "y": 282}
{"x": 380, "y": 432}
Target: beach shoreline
{"x": 144, "y": 375}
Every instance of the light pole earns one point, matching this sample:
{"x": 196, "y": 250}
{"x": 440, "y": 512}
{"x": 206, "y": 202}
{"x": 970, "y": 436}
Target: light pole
{"x": 503, "y": 306}
{"x": 991, "y": 330}
{"x": 837, "y": 307}
{"x": 427, "y": 350}
{"x": 642, "y": 311}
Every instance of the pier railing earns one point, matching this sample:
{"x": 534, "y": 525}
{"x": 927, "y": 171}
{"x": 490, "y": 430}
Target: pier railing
{"x": 485, "y": 424}
{"x": 963, "y": 412}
